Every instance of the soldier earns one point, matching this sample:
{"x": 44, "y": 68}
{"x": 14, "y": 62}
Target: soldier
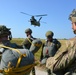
{"x": 3, "y": 29}
{"x": 64, "y": 62}
{"x": 29, "y": 38}
{"x": 28, "y": 32}
{"x": 15, "y": 61}
{"x": 50, "y": 47}
{"x": 28, "y": 42}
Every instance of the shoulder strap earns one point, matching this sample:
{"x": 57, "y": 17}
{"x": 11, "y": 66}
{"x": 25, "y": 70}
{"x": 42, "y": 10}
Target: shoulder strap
{"x": 29, "y": 40}
{"x": 11, "y": 49}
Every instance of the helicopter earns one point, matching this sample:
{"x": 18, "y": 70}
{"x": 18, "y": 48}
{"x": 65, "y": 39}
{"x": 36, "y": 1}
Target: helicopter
{"x": 33, "y": 20}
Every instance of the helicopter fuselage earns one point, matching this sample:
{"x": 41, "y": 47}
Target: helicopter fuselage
{"x": 35, "y": 23}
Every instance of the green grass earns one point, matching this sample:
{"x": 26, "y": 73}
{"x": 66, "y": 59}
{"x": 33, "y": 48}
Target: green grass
{"x": 17, "y": 40}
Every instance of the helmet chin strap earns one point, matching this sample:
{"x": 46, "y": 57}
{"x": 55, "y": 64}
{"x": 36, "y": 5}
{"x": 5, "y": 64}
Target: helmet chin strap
{"x": 10, "y": 37}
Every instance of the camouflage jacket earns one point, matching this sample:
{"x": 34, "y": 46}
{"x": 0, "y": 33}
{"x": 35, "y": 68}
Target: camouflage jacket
{"x": 63, "y": 59}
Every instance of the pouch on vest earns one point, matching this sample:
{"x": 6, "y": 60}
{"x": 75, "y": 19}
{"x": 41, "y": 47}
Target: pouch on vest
{"x": 49, "y": 50}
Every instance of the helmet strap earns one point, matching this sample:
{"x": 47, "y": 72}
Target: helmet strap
{"x": 10, "y": 37}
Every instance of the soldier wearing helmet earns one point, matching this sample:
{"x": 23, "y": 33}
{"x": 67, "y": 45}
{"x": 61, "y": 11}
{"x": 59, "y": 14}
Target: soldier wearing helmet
{"x": 28, "y": 32}
{"x": 28, "y": 42}
{"x": 5, "y": 32}
{"x": 6, "y": 36}
{"x": 14, "y": 57}
{"x": 49, "y": 33}
{"x": 50, "y": 47}
{"x": 29, "y": 38}
{"x": 64, "y": 62}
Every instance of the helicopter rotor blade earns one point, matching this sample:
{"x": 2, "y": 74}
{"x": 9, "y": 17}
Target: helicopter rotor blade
{"x": 25, "y": 13}
{"x": 41, "y": 15}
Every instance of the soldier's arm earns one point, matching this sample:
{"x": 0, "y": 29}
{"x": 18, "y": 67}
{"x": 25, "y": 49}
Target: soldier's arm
{"x": 63, "y": 59}
{"x": 66, "y": 59}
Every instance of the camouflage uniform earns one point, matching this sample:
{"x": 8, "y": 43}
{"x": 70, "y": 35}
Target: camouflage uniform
{"x": 64, "y": 62}
{"x": 11, "y": 56}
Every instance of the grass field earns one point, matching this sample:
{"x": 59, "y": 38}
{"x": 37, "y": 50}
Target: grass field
{"x": 37, "y": 55}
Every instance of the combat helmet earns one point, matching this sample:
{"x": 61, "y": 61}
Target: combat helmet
{"x": 49, "y": 33}
{"x": 5, "y": 31}
{"x": 72, "y": 16}
{"x": 28, "y": 30}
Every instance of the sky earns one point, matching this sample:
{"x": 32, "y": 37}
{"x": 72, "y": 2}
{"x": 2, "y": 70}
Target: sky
{"x": 56, "y": 20}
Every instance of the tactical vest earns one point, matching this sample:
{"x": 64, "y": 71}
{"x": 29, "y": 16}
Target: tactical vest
{"x": 49, "y": 49}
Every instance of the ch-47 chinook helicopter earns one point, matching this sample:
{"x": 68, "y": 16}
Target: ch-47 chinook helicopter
{"x": 33, "y": 21}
